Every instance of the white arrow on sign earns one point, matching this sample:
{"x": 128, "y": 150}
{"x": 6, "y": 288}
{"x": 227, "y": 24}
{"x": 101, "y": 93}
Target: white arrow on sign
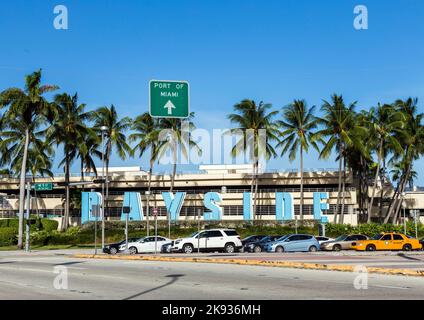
{"x": 169, "y": 105}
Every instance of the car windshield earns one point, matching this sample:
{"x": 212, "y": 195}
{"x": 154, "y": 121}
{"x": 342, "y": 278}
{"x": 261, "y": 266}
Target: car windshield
{"x": 282, "y": 238}
{"x": 266, "y": 239}
{"x": 377, "y": 237}
{"x": 194, "y": 234}
{"x": 341, "y": 238}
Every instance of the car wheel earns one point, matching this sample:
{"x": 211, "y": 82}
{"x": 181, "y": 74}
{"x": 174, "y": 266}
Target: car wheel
{"x": 337, "y": 247}
{"x": 313, "y": 249}
{"x": 370, "y": 247}
{"x": 279, "y": 249}
{"x": 188, "y": 248}
{"x": 113, "y": 251}
{"x": 257, "y": 249}
{"x": 133, "y": 250}
{"x": 407, "y": 247}
{"x": 230, "y": 248}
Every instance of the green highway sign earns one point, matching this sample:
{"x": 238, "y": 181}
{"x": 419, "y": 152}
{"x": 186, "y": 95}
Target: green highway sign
{"x": 169, "y": 99}
{"x": 48, "y": 186}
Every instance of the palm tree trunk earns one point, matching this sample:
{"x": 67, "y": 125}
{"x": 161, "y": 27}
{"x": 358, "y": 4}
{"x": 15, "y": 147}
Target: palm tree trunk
{"x": 301, "y": 183}
{"x": 67, "y": 196}
{"x": 338, "y": 189}
{"x": 375, "y": 183}
{"x": 174, "y": 168}
{"x": 343, "y": 190}
{"x": 109, "y": 149}
{"x": 82, "y": 170}
{"x": 256, "y": 169}
{"x": 399, "y": 204}
{"x": 22, "y": 191}
{"x": 35, "y": 198}
{"x": 394, "y": 201}
{"x": 382, "y": 178}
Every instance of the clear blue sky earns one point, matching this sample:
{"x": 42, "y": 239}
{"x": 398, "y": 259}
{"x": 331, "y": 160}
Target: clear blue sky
{"x": 229, "y": 50}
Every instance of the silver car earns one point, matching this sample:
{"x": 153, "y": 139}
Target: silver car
{"x": 344, "y": 242}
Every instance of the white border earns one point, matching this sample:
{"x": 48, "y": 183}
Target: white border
{"x": 172, "y": 81}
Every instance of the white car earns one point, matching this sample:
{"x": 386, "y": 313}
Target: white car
{"x": 145, "y": 245}
{"x": 226, "y": 240}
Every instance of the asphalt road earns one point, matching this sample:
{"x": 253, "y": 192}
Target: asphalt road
{"x": 32, "y": 276}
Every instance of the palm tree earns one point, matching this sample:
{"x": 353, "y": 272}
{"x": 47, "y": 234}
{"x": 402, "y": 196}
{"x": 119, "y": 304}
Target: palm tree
{"x": 69, "y": 130}
{"x": 146, "y": 133}
{"x": 172, "y": 137}
{"x": 115, "y": 136}
{"x": 87, "y": 150}
{"x": 385, "y": 124}
{"x": 412, "y": 140}
{"x": 298, "y": 134}
{"x": 39, "y": 156}
{"x": 339, "y": 125}
{"x": 26, "y": 107}
{"x": 257, "y": 119}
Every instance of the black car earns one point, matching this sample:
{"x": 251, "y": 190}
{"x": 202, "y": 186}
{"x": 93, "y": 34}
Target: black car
{"x": 114, "y": 247}
{"x": 251, "y": 239}
{"x": 422, "y": 243}
{"x": 257, "y": 246}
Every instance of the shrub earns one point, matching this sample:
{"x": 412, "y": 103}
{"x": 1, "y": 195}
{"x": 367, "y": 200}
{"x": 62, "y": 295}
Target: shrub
{"x": 8, "y": 236}
{"x": 49, "y": 225}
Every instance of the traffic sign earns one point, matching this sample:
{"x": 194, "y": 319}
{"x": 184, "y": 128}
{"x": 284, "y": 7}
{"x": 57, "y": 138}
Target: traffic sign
{"x": 169, "y": 99}
{"x": 48, "y": 186}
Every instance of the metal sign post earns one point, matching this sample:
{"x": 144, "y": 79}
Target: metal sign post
{"x": 155, "y": 213}
{"x": 95, "y": 211}
{"x": 126, "y": 211}
{"x": 198, "y": 231}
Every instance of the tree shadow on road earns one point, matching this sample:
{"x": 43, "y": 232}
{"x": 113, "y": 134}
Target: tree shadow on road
{"x": 173, "y": 280}
{"x": 402, "y": 255}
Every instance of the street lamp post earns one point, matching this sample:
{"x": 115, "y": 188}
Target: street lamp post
{"x": 103, "y": 129}
{"x": 147, "y": 211}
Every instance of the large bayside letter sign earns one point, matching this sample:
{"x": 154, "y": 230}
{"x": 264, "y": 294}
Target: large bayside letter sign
{"x": 169, "y": 99}
{"x": 284, "y": 206}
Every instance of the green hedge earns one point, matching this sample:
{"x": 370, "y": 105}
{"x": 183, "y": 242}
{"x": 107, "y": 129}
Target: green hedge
{"x": 48, "y": 235}
{"x": 8, "y": 236}
{"x": 40, "y": 224}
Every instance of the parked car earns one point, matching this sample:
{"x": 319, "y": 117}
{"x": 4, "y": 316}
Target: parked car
{"x": 344, "y": 242}
{"x": 388, "y": 241}
{"x": 322, "y": 239}
{"x": 145, "y": 245}
{"x": 167, "y": 247}
{"x": 257, "y": 246}
{"x": 226, "y": 240}
{"x": 294, "y": 243}
{"x": 251, "y": 239}
{"x": 113, "y": 248}
{"x": 422, "y": 243}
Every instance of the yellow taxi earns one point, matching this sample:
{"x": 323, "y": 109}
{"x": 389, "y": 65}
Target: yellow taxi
{"x": 388, "y": 241}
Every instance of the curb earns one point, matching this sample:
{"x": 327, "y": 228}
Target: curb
{"x": 280, "y": 264}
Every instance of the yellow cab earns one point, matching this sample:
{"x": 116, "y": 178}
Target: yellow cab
{"x": 388, "y": 241}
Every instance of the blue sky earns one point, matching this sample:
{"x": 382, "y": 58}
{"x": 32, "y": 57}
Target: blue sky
{"x": 273, "y": 51}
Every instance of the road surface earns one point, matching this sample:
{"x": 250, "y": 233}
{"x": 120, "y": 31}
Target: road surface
{"x": 32, "y": 276}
